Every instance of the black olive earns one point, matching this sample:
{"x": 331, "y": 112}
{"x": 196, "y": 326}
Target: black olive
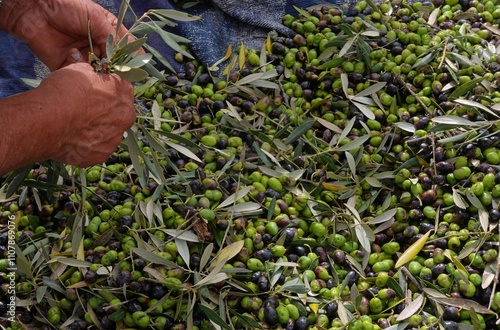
{"x": 302, "y": 323}
{"x": 270, "y": 315}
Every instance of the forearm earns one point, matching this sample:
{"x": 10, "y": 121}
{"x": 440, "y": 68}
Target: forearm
{"x": 28, "y": 130}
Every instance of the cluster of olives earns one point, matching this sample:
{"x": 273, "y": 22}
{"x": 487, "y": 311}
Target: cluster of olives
{"x": 338, "y": 184}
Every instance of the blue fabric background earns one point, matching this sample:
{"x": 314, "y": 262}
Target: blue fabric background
{"x": 225, "y": 22}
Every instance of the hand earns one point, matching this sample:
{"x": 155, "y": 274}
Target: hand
{"x": 57, "y": 30}
{"x": 93, "y": 110}
{"x": 76, "y": 116}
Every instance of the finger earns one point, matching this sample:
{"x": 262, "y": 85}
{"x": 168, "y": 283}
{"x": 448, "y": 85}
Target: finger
{"x": 75, "y": 56}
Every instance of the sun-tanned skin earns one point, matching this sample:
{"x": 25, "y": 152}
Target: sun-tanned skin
{"x": 76, "y": 115}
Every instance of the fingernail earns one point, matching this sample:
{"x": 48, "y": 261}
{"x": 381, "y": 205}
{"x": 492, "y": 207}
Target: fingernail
{"x": 76, "y": 56}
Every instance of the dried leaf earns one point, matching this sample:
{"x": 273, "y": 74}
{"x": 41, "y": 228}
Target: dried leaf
{"x": 412, "y": 251}
{"x": 242, "y": 57}
{"x": 433, "y": 16}
{"x": 227, "y": 253}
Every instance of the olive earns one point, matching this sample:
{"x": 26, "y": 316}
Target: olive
{"x": 302, "y": 323}
{"x": 270, "y": 315}
{"x": 450, "y": 325}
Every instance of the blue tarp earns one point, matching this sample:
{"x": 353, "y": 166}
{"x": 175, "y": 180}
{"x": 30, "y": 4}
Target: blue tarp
{"x": 224, "y": 23}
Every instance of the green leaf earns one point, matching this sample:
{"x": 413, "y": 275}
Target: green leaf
{"x": 53, "y": 284}
{"x": 110, "y": 45}
{"x": 464, "y": 304}
{"x": 454, "y": 120}
{"x": 159, "y": 57}
{"x": 428, "y": 58}
{"x": 464, "y": 88}
{"x": 354, "y": 143}
{"x": 167, "y": 38}
{"x": 40, "y": 293}
{"x": 347, "y": 46}
{"x": 151, "y": 257}
{"x": 393, "y": 284}
{"x": 293, "y": 288}
{"x": 363, "y": 51}
{"x": 18, "y": 178}
{"x": 214, "y": 317}
{"x": 182, "y": 234}
{"x": 139, "y": 61}
{"x": 129, "y": 48}
{"x": 365, "y": 110}
{"x": 118, "y": 315}
{"x": 132, "y": 75}
{"x": 334, "y": 62}
{"x": 183, "y": 250}
{"x": 387, "y": 215}
{"x": 299, "y": 131}
{"x": 176, "y": 15}
{"x": 338, "y": 41}
{"x": 412, "y": 308}
{"x": 153, "y": 72}
{"x": 136, "y": 152}
{"x": 478, "y": 105}
{"x": 183, "y": 150}
{"x": 23, "y": 263}
{"x": 371, "y": 90}
{"x": 121, "y": 15}
{"x": 71, "y": 262}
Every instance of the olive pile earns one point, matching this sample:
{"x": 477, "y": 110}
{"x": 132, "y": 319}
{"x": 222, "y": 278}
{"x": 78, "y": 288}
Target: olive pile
{"x": 347, "y": 178}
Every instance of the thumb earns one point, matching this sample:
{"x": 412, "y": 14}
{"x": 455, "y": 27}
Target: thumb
{"x": 75, "y": 56}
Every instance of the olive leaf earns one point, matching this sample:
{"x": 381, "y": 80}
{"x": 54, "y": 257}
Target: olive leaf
{"x": 466, "y": 304}
{"x": 214, "y": 317}
{"x": 478, "y": 105}
{"x": 412, "y": 308}
{"x": 227, "y": 253}
{"x": 151, "y": 257}
{"x": 464, "y": 88}
{"x": 412, "y": 251}
{"x": 357, "y": 142}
